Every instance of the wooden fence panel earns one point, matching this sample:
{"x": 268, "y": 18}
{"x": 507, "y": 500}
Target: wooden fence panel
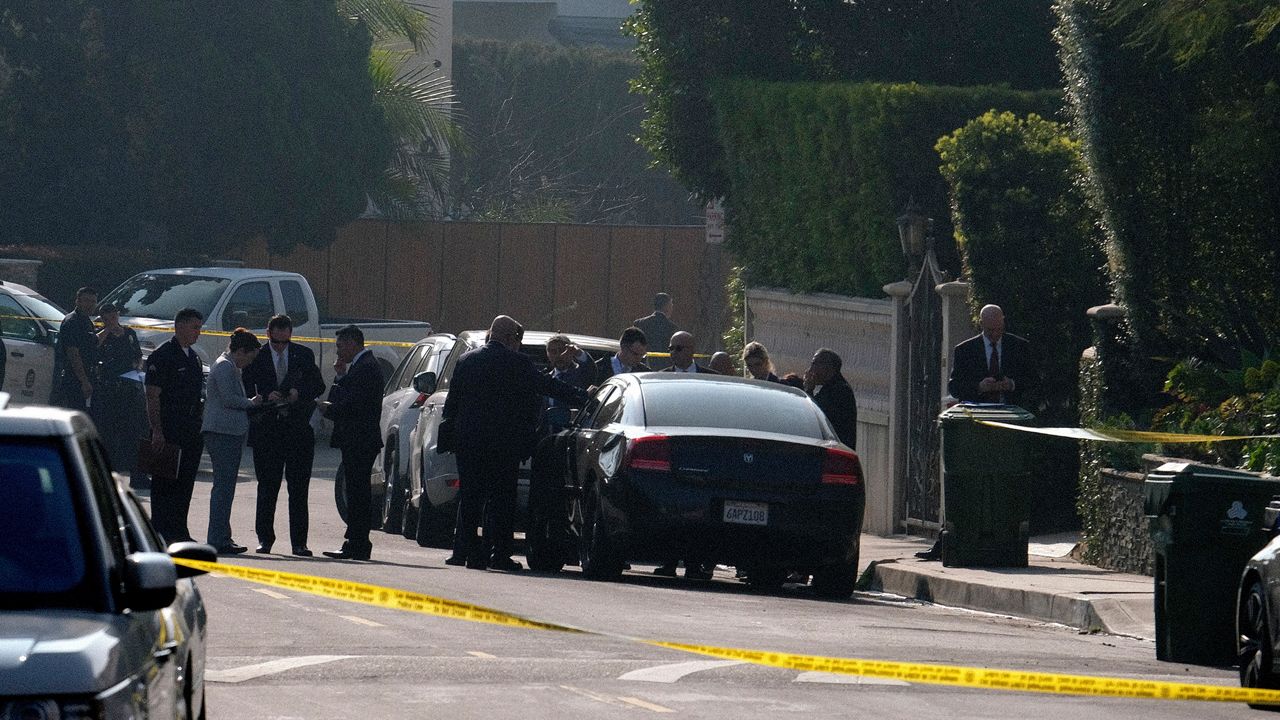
{"x": 358, "y": 271}
{"x": 635, "y": 277}
{"x": 687, "y": 258}
{"x": 582, "y": 280}
{"x": 470, "y": 276}
{"x": 413, "y": 271}
{"x": 527, "y": 279}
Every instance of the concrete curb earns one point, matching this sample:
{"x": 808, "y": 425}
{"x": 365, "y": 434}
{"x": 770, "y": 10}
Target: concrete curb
{"x": 1121, "y": 613}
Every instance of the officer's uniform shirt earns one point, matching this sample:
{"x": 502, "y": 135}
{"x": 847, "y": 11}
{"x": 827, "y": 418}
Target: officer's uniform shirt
{"x": 180, "y": 376}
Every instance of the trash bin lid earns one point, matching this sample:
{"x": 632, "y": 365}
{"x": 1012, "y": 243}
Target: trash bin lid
{"x": 972, "y": 412}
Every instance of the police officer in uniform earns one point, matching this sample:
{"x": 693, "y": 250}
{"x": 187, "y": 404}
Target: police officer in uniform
{"x": 175, "y": 408}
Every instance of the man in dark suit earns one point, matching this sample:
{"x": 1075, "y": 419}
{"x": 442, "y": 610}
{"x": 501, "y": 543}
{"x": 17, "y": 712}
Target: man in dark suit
{"x": 569, "y": 364}
{"x": 993, "y": 366}
{"x": 826, "y": 384}
{"x": 490, "y": 393}
{"x": 632, "y": 347}
{"x": 681, "y": 349}
{"x": 280, "y": 433}
{"x": 658, "y": 325}
{"x": 355, "y": 407}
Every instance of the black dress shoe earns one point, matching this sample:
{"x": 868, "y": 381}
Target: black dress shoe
{"x": 232, "y": 549}
{"x": 347, "y": 554}
{"x": 477, "y": 564}
{"x": 932, "y": 553}
{"x": 263, "y": 548}
{"x": 696, "y": 573}
{"x": 505, "y": 564}
{"x": 302, "y": 552}
{"x": 665, "y": 570}
{"x": 456, "y": 560}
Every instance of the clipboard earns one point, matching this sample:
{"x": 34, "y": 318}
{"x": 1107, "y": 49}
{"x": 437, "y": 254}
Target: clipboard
{"x": 159, "y": 462}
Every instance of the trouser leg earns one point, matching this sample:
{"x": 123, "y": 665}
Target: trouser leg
{"x": 297, "y": 470}
{"x": 500, "y": 521}
{"x": 268, "y": 466}
{"x": 471, "y": 497}
{"x": 224, "y": 455}
{"x": 358, "y": 464}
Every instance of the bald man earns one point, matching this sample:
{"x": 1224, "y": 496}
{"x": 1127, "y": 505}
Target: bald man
{"x": 681, "y": 348}
{"x": 495, "y": 398}
{"x": 993, "y": 366}
{"x": 722, "y": 363}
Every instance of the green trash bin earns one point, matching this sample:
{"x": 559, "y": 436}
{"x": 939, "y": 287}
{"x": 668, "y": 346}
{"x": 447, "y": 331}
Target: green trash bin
{"x": 1206, "y": 522}
{"x": 986, "y": 487}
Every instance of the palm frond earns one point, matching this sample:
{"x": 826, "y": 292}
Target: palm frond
{"x": 388, "y": 19}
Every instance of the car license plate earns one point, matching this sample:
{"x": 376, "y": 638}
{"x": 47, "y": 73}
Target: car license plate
{"x": 746, "y": 513}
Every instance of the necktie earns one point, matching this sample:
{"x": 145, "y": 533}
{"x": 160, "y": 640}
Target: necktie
{"x": 281, "y": 369}
{"x": 993, "y": 366}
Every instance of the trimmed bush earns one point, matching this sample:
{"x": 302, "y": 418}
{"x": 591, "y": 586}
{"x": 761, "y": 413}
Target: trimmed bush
{"x": 820, "y": 171}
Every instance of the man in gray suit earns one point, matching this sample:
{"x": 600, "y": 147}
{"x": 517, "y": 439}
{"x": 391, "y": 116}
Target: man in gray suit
{"x": 658, "y": 326}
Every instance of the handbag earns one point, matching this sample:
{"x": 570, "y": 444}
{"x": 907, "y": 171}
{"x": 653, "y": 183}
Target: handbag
{"x": 447, "y": 436}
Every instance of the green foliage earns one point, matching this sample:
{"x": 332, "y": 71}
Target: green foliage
{"x": 687, "y": 46}
{"x": 734, "y": 337}
{"x": 819, "y": 172}
{"x": 1214, "y": 400}
{"x": 213, "y": 122}
{"x": 554, "y": 128}
{"x": 1179, "y": 114}
{"x": 1028, "y": 242}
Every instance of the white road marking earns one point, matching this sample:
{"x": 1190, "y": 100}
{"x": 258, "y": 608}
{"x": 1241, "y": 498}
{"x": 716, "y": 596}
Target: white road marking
{"x": 361, "y": 621}
{"x": 839, "y": 679}
{"x": 645, "y": 705}
{"x": 673, "y": 672}
{"x": 271, "y": 594}
{"x": 479, "y": 654}
{"x": 607, "y": 700}
{"x": 271, "y": 667}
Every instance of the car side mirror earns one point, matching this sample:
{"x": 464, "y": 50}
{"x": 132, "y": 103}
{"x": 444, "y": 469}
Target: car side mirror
{"x": 192, "y": 551}
{"x": 150, "y": 580}
{"x": 425, "y": 382}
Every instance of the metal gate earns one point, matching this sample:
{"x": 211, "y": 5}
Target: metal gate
{"x": 924, "y": 398}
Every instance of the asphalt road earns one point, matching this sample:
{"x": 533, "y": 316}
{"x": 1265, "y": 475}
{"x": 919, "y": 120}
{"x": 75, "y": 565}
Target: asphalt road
{"x": 285, "y": 654}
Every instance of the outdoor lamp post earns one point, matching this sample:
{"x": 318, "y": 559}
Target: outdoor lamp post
{"x": 913, "y": 232}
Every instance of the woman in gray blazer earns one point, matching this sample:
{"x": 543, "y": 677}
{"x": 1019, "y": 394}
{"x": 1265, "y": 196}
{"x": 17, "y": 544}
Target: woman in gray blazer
{"x": 226, "y": 424}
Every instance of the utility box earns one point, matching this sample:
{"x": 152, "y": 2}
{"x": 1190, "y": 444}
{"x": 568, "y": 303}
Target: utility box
{"x": 986, "y": 486}
{"x": 1206, "y": 522}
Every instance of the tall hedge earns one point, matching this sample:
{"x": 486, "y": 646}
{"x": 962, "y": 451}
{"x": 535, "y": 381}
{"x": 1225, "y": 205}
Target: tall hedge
{"x": 1181, "y": 151}
{"x": 819, "y": 172}
{"x": 553, "y": 134}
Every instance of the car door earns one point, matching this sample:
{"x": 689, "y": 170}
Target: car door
{"x": 29, "y": 353}
{"x": 606, "y": 403}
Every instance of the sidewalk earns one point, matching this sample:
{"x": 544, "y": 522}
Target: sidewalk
{"x": 1053, "y": 588}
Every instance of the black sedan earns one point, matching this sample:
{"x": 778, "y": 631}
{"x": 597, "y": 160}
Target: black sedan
{"x": 720, "y": 469}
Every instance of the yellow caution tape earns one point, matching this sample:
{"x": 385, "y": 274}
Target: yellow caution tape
{"x": 1111, "y": 435}
{"x": 223, "y": 333}
{"x": 956, "y": 676}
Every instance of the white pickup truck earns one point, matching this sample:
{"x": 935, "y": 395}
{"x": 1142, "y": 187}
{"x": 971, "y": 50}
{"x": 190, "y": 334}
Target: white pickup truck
{"x": 247, "y": 297}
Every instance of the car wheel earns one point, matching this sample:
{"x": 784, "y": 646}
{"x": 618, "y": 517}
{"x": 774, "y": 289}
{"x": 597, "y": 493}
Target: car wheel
{"x": 393, "y": 498}
{"x": 435, "y": 527}
{"x": 598, "y": 559}
{"x": 836, "y": 582}
{"x": 1254, "y": 650}
{"x": 340, "y": 491}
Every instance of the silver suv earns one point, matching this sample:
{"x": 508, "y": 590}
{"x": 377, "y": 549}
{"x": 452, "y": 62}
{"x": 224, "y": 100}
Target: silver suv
{"x": 96, "y": 619}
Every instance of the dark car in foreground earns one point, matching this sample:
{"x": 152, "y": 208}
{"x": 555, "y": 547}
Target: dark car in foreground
{"x": 1258, "y": 611}
{"x": 721, "y": 469}
{"x": 96, "y": 621}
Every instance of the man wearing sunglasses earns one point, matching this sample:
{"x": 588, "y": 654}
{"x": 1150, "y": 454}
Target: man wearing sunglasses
{"x": 681, "y": 348}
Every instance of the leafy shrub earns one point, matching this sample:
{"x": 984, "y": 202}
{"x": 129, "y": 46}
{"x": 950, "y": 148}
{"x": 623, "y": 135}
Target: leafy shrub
{"x": 820, "y": 171}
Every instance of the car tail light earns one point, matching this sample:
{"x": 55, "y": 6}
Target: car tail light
{"x": 452, "y": 482}
{"x": 841, "y": 467}
{"x": 422, "y": 398}
{"x": 649, "y": 453}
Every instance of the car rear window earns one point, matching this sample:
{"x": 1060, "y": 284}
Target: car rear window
{"x": 40, "y": 544}
{"x": 740, "y": 406}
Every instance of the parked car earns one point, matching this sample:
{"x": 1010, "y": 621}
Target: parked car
{"x": 1258, "y": 611}
{"x": 247, "y": 297}
{"x": 430, "y": 494}
{"x": 401, "y": 405}
{"x": 722, "y": 469}
{"x": 29, "y": 324}
{"x": 97, "y": 621}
